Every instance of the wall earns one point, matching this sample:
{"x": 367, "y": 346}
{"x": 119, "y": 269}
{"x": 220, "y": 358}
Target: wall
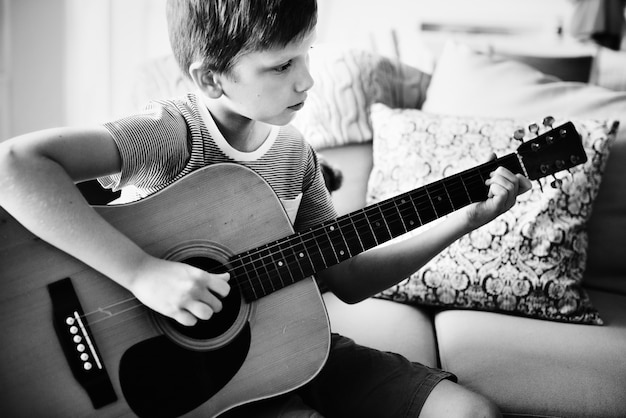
{"x": 68, "y": 62}
{"x": 71, "y": 61}
{"x": 34, "y": 48}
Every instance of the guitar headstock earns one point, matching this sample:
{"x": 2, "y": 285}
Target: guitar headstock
{"x": 558, "y": 149}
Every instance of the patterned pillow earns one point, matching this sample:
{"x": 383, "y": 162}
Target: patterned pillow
{"x": 347, "y": 82}
{"x": 529, "y": 261}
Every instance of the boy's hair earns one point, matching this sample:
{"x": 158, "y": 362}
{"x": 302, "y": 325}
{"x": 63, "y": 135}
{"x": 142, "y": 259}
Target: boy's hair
{"x": 218, "y": 32}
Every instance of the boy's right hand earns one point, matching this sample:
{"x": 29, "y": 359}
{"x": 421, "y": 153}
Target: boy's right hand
{"x": 179, "y": 291}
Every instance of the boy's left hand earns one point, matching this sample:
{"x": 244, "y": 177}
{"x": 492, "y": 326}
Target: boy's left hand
{"x": 504, "y": 187}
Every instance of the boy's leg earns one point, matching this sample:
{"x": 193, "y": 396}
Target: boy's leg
{"x": 448, "y": 399}
{"x": 285, "y": 406}
{"x": 360, "y": 381}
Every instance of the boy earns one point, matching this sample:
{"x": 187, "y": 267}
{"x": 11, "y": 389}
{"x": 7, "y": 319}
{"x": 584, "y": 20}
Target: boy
{"x": 249, "y": 62}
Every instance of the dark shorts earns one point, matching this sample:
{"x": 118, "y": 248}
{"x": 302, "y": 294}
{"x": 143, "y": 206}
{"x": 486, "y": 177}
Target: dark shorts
{"x": 359, "y": 381}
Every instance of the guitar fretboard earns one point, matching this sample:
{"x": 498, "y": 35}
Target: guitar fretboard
{"x": 268, "y": 268}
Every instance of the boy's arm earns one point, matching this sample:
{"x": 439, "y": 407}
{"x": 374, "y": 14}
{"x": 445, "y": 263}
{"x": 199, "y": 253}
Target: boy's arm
{"x": 37, "y": 176}
{"x": 380, "y": 268}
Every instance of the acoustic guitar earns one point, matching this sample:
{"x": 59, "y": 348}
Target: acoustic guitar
{"x": 76, "y": 344}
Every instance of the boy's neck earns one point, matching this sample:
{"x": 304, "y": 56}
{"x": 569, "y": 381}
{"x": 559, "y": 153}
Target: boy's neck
{"x": 245, "y": 138}
{"x": 243, "y": 134}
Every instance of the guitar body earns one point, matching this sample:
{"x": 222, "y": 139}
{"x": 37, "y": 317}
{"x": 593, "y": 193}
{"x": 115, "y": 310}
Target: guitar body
{"x": 275, "y": 344}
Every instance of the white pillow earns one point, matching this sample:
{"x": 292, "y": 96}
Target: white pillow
{"x": 467, "y": 83}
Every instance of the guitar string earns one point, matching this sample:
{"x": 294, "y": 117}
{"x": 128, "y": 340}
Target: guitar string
{"x": 471, "y": 180}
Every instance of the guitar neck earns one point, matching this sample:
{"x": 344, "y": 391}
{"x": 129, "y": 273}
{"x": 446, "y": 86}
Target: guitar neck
{"x": 275, "y": 265}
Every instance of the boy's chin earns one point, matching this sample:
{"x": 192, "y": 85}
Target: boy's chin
{"x": 283, "y": 119}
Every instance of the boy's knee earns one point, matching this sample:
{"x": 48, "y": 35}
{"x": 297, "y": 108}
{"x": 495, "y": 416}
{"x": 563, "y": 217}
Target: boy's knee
{"x": 478, "y": 406}
{"x": 451, "y": 400}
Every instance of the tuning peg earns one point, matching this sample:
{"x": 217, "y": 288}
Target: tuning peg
{"x": 556, "y": 183}
{"x": 533, "y": 128}
{"x": 548, "y": 121}
{"x": 519, "y": 134}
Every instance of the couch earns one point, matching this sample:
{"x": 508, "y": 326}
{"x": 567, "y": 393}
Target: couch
{"x": 529, "y": 366}
{"x": 561, "y": 361}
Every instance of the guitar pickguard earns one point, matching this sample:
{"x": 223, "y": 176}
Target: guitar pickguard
{"x": 155, "y": 372}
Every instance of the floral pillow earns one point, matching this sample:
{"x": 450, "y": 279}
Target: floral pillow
{"x": 529, "y": 261}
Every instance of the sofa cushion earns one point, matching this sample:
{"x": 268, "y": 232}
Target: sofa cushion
{"x": 355, "y": 163}
{"x": 528, "y": 261}
{"x": 347, "y": 82}
{"x": 540, "y": 368}
{"x": 468, "y": 83}
{"x": 386, "y": 326}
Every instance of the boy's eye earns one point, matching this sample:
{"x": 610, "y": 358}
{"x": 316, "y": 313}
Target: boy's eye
{"x": 283, "y": 68}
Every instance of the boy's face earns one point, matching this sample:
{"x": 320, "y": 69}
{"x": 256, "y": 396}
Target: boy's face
{"x": 269, "y": 86}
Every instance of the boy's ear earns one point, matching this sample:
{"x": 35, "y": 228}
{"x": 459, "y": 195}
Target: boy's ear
{"x": 207, "y": 81}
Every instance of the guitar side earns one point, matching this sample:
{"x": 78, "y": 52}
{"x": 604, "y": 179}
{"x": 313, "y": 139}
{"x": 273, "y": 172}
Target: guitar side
{"x": 220, "y": 210}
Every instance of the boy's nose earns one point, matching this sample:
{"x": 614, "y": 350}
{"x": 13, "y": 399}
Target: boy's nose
{"x": 305, "y": 80}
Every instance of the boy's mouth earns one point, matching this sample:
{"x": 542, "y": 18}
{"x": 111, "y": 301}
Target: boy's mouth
{"x": 297, "y": 107}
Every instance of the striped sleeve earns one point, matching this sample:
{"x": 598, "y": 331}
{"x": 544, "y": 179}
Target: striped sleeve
{"x": 153, "y": 147}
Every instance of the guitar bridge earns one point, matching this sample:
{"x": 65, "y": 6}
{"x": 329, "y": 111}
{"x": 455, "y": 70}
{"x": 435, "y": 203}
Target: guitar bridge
{"x": 78, "y": 346}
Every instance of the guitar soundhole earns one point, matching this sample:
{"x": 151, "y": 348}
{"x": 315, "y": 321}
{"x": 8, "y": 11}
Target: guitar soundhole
{"x": 221, "y": 321}
{"x": 217, "y": 331}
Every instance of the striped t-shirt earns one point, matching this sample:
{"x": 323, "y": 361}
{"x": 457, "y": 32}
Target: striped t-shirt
{"x": 172, "y": 138}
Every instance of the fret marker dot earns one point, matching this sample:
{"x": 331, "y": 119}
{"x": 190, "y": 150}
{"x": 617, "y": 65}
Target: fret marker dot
{"x": 438, "y": 198}
{"x": 411, "y": 223}
{"x": 377, "y": 224}
{"x": 301, "y": 255}
{"x": 280, "y": 264}
{"x": 332, "y": 228}
{"x": 342, "y": 252}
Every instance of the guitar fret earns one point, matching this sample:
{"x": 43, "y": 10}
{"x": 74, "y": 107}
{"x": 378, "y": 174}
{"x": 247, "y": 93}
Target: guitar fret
{"x": 366, "y": 235}
{"x": 465, "y": 188}
{"x": 384, "y": 221}
{"x": 349, "y": 236}
{"x": 324, "y": 256}
{"x": 263, "y": 271}
{"x": 424, "y": 206}
{"x": 245, "y": 276}
{"x": 457, "y": 191}
{"x": 396, "y": 219}
{"x": 305, "y": 255}
{"x": 333, "y": 232}
{"x": 294, "y": 259}
{"x": 380, "y": 232}
{"x": 314, "y": 252}
{"x": 417, "y": 212}
{"x": 280, "y": 265}
{"x": 441, "y": 206}
{"x": 357, "y": 235}
{"x": 445, "y": 189}
{"x": 373, "y": 220}
{"x": 406, "y": 218}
